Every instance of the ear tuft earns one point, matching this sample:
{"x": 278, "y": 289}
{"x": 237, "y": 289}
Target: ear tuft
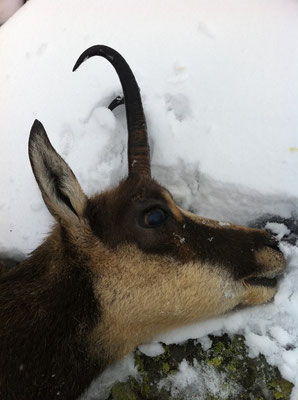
{"x": 59, "y": 187}
{"x": 38, "y": 139}
{"x": 37, "y": 128}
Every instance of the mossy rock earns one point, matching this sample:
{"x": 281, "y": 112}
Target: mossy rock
{"x": 226, "y": 361}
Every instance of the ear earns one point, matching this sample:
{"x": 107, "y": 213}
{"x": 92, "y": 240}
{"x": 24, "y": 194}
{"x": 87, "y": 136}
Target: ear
{"x": 59, "y": 187}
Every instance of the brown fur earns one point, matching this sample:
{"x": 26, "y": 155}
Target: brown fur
{"x": 139, "y": 305}
{"x": 107, "y": 279}
{"x": 99, "y": 287}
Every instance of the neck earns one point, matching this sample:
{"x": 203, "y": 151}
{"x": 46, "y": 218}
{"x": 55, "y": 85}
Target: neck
{"x": 49, "y": 303}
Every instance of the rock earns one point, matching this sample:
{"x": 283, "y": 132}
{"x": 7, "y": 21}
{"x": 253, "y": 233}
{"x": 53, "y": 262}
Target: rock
{"x": 224, "y": 371}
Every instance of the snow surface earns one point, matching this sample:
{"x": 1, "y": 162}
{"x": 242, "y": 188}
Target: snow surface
{"x": 199, "y": 379}
{"x": 220, "y": 91}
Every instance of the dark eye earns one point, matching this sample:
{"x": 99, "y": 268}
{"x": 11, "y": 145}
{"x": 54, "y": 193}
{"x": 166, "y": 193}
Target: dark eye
{"x": 154, "y": 217}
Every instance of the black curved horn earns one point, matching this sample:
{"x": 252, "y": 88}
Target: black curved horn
{"x": 138, "y": 147}
{"x": 118, "y": 101}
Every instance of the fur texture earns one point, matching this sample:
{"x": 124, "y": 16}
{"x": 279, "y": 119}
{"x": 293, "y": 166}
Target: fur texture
{"x": 117, "y": 269}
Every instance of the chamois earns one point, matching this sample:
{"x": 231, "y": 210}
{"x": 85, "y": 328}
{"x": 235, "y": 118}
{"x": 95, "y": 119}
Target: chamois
{"x": 117, "y": 268}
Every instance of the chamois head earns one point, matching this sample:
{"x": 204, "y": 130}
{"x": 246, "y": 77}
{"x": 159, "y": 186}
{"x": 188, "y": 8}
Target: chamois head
{"x": 130, "y": 261}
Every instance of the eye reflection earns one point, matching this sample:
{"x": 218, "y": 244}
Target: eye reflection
{"x": 154, "y": 217}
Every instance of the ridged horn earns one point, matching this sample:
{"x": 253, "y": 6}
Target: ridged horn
{"x": 138, "y": 147}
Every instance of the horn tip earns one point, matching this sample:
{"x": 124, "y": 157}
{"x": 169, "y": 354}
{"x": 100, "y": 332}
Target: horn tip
{"x": 90, "y": 52}
{"x": 79, "y": 61}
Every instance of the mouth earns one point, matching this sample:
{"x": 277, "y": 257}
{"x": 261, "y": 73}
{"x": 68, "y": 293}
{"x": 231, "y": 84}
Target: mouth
{"x": 267, "y": 282}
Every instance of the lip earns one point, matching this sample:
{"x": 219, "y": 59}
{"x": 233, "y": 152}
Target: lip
{"x": 262, "y": 281}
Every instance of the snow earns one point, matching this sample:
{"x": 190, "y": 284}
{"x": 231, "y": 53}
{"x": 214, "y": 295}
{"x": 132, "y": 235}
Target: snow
{"x": 205, "y": 342}
{"x": 119, "y": 372}
{"x": 280, "y": 230}
{"x": 202, "y": 379}
{"x": 220, "y": 91}
{"x": 151, "y": 349}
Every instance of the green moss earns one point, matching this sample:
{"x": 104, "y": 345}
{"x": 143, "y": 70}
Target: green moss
{"x": 281, "y": 389}
{"x": 165, "y": 368}
{"x": 227, "y": 356}
{"x": 165, "y": 354}
{"x": 232, "y": 366}
{"x": 123, "y": 391}
{"x": 216, "y": 361}
{"x": 139, "y": 362}
{"x": 219, "y": 347}
{"x": 143, "y": 386}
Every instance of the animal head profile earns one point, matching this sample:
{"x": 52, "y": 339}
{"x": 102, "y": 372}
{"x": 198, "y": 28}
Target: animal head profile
{"x": 118, "y": 268}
